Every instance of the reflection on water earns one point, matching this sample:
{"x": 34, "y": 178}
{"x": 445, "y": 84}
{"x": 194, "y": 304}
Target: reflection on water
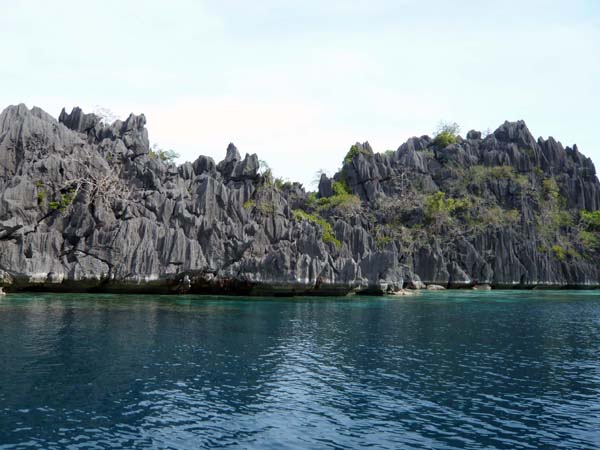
{"x": 444, "y": 369}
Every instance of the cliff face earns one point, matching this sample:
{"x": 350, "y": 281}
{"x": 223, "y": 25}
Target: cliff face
{"x": 87, "y": 206}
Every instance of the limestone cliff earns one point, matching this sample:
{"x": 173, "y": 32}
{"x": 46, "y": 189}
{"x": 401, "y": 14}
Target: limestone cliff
{"x": 89, "y": 206}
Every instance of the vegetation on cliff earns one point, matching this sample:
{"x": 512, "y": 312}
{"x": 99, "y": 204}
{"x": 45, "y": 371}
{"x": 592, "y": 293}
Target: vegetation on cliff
{"x": 87, "y": 203}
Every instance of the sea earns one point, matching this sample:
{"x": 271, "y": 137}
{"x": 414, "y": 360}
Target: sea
{"x": 440, "y": 370}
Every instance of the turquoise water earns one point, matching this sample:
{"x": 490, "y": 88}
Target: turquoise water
{"x": 453, "y": 369}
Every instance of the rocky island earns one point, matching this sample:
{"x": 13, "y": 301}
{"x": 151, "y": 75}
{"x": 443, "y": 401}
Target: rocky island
{"x": 89, "y": 206}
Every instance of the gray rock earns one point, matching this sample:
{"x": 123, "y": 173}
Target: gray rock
{"x": 435, "y": 287}
{"x": 325, "y": 186}
{"x": 84, "y": 206}
{"x": 416, "y": 284}
{"x": 475, "y": 135}
{"x": 482, "y": 287}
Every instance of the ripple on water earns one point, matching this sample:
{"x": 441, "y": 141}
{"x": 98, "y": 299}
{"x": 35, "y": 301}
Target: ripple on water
{"x": 442, "y": 370}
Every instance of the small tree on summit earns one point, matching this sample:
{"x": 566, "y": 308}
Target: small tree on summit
{"x": 265, "y": 171}
{"x": 446, "y": 134}
{"x": 167, "y": 155}
{"x": 107, "y": 117}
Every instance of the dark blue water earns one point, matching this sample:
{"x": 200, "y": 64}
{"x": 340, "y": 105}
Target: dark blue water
{"x": 442, "y": 370}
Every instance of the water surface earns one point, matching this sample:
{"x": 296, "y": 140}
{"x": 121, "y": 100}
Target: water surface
{"x": 459, "y": 369}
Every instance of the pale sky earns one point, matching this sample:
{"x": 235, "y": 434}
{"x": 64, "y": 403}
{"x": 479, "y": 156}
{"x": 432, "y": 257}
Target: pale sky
{"x": 298, "y": 82}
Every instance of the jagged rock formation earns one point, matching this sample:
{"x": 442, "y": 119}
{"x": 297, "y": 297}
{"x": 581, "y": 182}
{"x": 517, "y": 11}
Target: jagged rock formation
{"x": 88, "y": 206}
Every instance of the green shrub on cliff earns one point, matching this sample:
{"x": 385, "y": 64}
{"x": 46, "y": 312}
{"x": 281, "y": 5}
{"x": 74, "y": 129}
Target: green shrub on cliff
{"x": 562, "y": 218}
{"x": 64, "y": 202}
{"x": 589, "y": 240}
{"x": 341, "y": 201}
{"x": 589, "y": 229}
{"x": 326, "y": 228}
{"x": 354, "y": 151}
{"x": 562, "y": 252}
{"x": 500, "y": 172}
{"x": 340, "y": 188}
{"x": 591, "y": 220}
{"x": 559, "y": 252}
{"x": 446, "y": 134}
{"x": 312, "y": 202}
{"x": 283, "y": 185}
{"x": 551, "y": 189}
{"x": 496, "y": 216}
{"x": 479, "y": 174}
{"x": 438, "y": 208}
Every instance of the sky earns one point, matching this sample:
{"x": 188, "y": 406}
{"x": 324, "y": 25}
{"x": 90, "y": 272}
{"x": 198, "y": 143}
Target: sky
{"x": 298, "y": 82}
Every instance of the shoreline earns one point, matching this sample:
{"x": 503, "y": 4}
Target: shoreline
{"x": 240, "y": 290}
